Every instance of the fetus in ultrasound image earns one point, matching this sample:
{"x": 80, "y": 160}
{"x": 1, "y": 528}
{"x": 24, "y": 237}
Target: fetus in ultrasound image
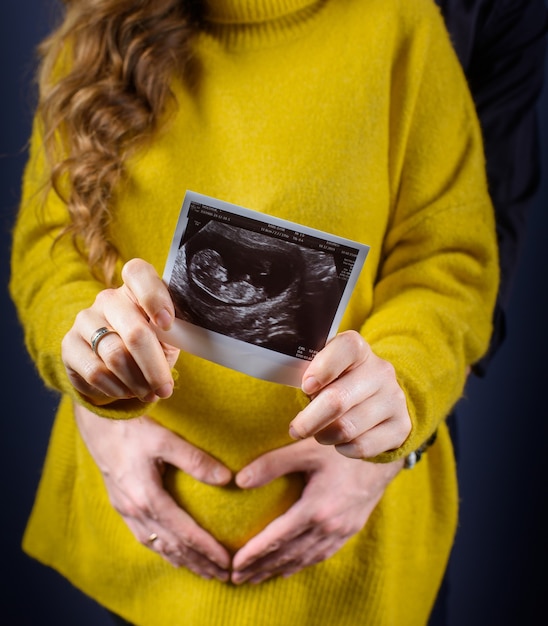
{"x": 256, "y": 288}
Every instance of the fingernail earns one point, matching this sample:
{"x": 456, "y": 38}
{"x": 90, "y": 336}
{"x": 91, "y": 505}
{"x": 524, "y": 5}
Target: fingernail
{"x": 165, "y": 390}
{"x": 220, "y": 475}
{"x": 255, "y": 580}
{"x": 244, "y": 478}
{"x": 164, "y": 319}
{"x": 293, "y": 433}
{"x": 310, "y": 385}
{"x": 223, "y": 577}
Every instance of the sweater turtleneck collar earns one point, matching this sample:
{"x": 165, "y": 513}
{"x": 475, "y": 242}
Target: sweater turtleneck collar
{"x": 253, "y": 11}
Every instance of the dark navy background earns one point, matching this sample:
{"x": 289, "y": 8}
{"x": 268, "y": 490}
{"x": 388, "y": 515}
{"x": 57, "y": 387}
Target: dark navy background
{"x": 498, "y": 573}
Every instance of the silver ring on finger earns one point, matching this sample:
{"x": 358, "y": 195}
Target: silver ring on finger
{"x": 98, "y": 335}
{"x": 151, "y": 539}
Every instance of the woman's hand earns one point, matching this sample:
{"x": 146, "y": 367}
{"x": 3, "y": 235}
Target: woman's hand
{"x": 338, "y": 498}
{"x": 131, "y": 455}
{"x": 130, "y": 362}
{"x": 357, "y": 403}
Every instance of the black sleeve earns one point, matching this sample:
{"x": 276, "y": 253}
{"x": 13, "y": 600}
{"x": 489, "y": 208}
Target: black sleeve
{"x": 502, "y": 47}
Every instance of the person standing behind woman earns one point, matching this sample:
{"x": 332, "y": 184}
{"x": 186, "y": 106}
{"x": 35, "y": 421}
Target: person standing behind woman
{"x": 350, "y": 117}
{"x": 502, "y": 48}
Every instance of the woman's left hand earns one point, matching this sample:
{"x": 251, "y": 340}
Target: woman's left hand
{"x": 357, "y": 403}
{"x": 338, "y": 498}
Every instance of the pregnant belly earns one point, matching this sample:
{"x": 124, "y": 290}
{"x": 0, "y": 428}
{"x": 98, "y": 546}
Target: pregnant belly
{"x": 233, "y": 515}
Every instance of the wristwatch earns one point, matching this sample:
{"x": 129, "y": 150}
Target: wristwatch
{"x": 414, "y": 457}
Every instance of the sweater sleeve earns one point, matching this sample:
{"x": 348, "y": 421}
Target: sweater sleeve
{"x": 50, "y": 282}
{"x": 437, "y": 282}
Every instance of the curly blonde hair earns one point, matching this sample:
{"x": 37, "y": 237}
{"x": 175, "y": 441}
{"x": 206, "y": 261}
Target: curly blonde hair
{"x": 104, "y": 84}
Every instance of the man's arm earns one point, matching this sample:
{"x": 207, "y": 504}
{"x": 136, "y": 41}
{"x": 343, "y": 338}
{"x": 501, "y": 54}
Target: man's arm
{"x": 502, "y": 47}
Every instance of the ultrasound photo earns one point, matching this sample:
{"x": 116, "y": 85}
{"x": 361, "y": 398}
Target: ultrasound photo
{"x": 248, "y": 286}
{"x": 256, "y": 288}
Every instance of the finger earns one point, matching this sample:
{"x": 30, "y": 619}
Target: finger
{"x": 193, "y": 461}
{"x": 177, "y": 537}
{"x": 294, "y": 523}
{"x": 352, "y": 406}
{"x": 282, "y": 553}
{"x": 149, "y": 291}
{"x": 384, "y": 437}
{"x": 353, "y": 424}
{"x": 332, "y": 403}
{"x": 92, "y": 378}
{"x": 109, "y": 372}
{"x": 343, "y": 352}
{"x": 264, "y": 557}
{"x": 177, "y": 551}
{"x": 138, "y": 340}
{"x": 378, "y": 421}
{"x": 188, "y": 543}
{"x": 272, "y": 465}
{"x": 287, "y": 557}
{"x": 300, "y": 553}
{"x": 113, "y": 355}
{"x": 115, "y": 311}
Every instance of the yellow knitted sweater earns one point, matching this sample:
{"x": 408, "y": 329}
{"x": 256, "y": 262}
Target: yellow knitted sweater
{"x": 352, "y": 117}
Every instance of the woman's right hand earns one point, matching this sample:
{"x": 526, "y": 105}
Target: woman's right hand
{"x": 130, "y": 362}
{"x": 131, "y": 455}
